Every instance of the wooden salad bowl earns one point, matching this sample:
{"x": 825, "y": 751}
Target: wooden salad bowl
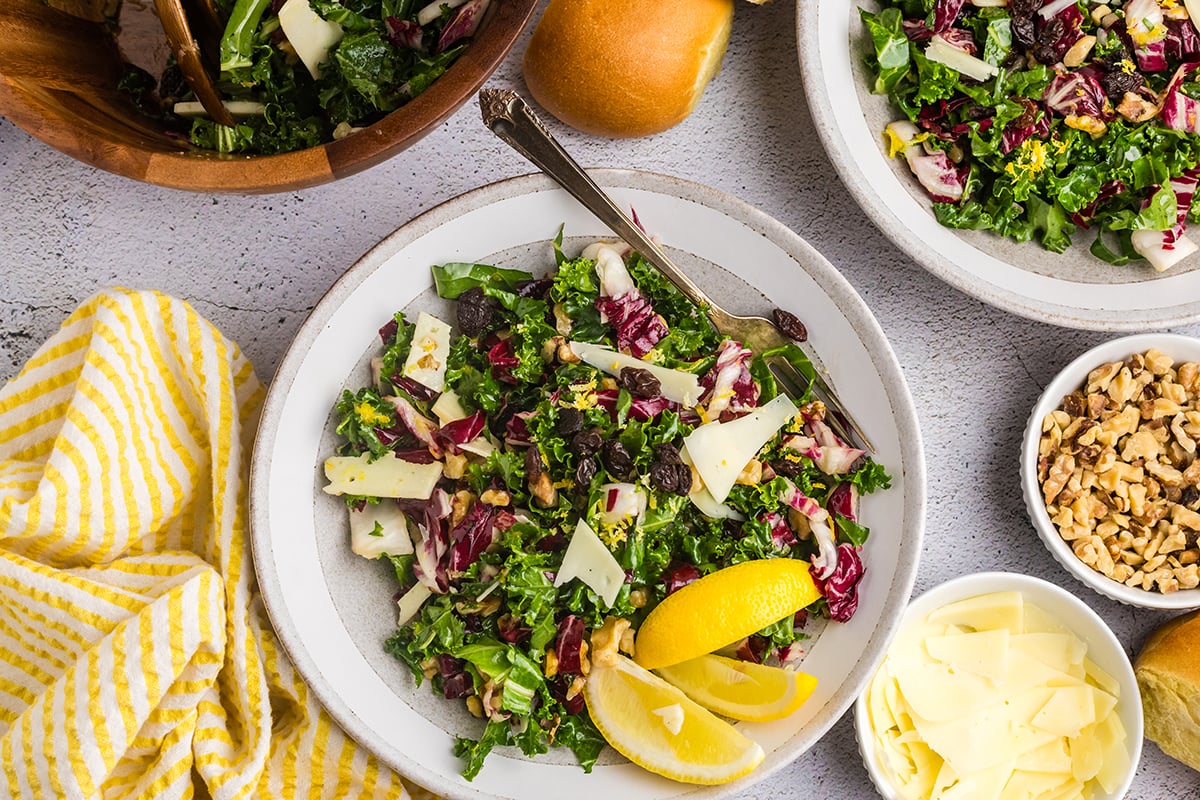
{"x": 59, "y": 69}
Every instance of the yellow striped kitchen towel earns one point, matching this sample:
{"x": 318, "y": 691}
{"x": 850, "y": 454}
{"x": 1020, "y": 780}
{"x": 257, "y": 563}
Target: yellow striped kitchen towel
{"x": 135, "y": 655}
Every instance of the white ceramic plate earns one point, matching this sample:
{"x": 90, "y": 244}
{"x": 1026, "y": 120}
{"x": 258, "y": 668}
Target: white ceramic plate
{"x": 333, "y": 610}
{"x": 1073, "y": 289}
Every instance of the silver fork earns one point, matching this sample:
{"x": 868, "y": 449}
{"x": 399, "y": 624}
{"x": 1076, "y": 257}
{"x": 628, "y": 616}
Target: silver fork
{"x": 510, "y": 118}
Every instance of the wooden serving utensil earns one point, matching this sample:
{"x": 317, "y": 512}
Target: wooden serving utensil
{"x": 190, "y": 59}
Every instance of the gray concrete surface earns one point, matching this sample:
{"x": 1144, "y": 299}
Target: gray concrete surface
{"x": 256, "y": 265}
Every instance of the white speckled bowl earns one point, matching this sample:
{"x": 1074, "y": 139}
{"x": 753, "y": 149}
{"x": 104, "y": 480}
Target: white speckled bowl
{"x": 1073, "y": 289}
{"x": 333, "y": 610}
{"x": 1072, "y": 377}
{"x": 1103, "y": 648}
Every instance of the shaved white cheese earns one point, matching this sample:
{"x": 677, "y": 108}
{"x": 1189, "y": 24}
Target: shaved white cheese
{"x": 481, "y": 447}
{"x": 589, "y": 560}
{"x": 388, "y": 476}
{"x": 379, "y": 529}
{"x": 720, "y": 450}
{"x": 236, "y": 108}
{"x": 1193, "y": 10}
{"x": 703, "y": 499}
{"x": 943, "y": 52}
{"x": 426, "y": 362}
{"x": 447, "y": 408}
{"x": 675, "y": 385}
{"x": 410, "y": 603}
{"x": 310, "y": 35}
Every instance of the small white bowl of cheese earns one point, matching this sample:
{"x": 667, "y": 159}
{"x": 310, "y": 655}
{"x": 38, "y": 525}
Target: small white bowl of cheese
{"x": 999, "y": 686}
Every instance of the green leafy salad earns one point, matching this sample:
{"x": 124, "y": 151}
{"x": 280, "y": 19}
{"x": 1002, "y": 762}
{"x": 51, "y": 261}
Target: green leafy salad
{"x": 1040, "y": 118}
{"x": 582, "y": 446}
{"x": 298, "y": 73}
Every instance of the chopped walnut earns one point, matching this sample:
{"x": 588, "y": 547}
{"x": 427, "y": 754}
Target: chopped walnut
{"x": 1118, "y": 467}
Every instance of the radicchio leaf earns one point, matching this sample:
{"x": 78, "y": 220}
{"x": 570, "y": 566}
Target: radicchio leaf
{"x": 568, "y": 645}
{"x": 679, "y": 575}
{"x": 428, "y": 516}
{"x": 843, "y": 501}
{"x": 945, "y": 12}
{"x": 631, "y": 315}
{"x": 640, "y": 409}
{"x": 1078, "y": 92}
{"x": 840, "y": 587}
{"x": 418, "y": 425}
{"x": 937, "y": 173}
{"x": 463, "y": 24}
{"x": 503, "y": 360}
{"x": 729, "y": 383}
{"x": 461, "y": 431}
{"x": 1182, "y": 42}
{"x": 781, "y": 535}
{"x": 404, "y": 34}
{"x": 471, "y": 536}
{"x": 1180, "y": 112}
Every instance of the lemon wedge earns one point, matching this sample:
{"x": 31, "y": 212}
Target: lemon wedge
{"x": 657, "y": 727}
{"x": 721, "y": 608}
{"x": 741, "y": 689}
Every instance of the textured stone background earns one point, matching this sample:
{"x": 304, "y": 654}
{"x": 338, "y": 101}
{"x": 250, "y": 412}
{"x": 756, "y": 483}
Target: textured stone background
{"x": 256, "y": 265}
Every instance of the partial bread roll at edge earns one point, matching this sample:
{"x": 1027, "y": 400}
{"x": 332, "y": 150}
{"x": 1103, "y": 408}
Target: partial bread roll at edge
{"x": 1168, "y": 675}
{"x": 625, "y": 68}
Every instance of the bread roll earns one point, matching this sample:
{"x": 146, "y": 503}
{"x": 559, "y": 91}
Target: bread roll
{"x": 1168, "y": 675}
{"x": 626, "y": 68}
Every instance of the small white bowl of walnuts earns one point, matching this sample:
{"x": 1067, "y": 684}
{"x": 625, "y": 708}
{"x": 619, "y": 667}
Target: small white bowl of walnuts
{"x": 1110, "y": 469}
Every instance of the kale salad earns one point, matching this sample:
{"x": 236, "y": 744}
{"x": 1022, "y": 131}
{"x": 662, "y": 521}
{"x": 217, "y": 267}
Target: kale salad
{"x": 1039, "y": 118}
{"x": 299, "y": 73}
{"x": 581, "y": 446}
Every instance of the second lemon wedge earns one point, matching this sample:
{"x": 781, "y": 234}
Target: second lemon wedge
{"x": 741, "y": 689}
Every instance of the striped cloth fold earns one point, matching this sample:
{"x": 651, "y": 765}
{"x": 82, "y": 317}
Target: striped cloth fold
{"x": 135, "y": 655}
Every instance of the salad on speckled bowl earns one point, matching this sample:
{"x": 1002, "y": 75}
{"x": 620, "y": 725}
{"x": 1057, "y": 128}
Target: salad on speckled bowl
{"x": 584, "y": 447}
{"x": 1033, "y": 119}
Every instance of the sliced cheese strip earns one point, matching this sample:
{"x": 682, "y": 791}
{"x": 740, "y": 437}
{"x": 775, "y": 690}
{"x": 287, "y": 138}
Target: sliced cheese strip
{"x": 985, "y": 612}
{"x": 1053, "y": 756}
{"x": 984, "y": 653}
{"x": 448, "y": 408}
{"x": 1110, "y": 733}
{"x": 1067, "y": 711}
{"x": 379, "y": 528}
{"x": 426, "y": 362}
{"x": 388, "y": 476}
{"x": 938, "y": 693}
{"x": 1101, "y": 678}
{"x": 310, "y": 35}
{"x": 703, "y": 499}
{"x": 1024, "y": 785}
{"x": 984, "y": 785}
{"x": 480, "y": 447}
{"x": 675, "y": 385}
{"x": 941, "y": 51}
{"x": 410, "y": 603}
{"x": 1061, "y": 651}
{"x": 589, "y": 560}
{"x": 720, "y": 450}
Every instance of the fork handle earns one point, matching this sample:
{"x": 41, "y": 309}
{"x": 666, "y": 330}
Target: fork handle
{"x": 510, "y": 118}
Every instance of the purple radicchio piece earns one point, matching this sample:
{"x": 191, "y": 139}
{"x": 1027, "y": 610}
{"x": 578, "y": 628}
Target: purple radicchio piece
{"x": 843, "y": 501}
{"x": 1078, "y": 92}
{"x": 418, "y": 425}
{"x": 1182, "y": 42}
{"x": 729, "y": 383}
{"x": 460, "y": 431}
{"x": 640, "y": 408}
{"x": 503, "y": 360}
{"x": 1180, "y": 112}
{"x": 429, "y": 516}
{"x": 1163, "y": 249}
{"x": 960, "y": 40}
{"x": 568, "y": 645}
{"x": 840, "y": 587}
{"x": 456, "y": 683}
{"x": 945, "y": 13}
{"x": 679, "y": 575}
{"x": 781, "y": 535}
{"x": 471, "y": 536}
{"x": 631, "y": 315}
{"x": 404, "y": 34}
{"x": 463, "y": 24}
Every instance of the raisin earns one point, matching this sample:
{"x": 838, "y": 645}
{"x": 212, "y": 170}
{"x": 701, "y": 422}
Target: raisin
{"x": 585, "y": 471}
{"x": 639, "y": 382}
{"x": 533, "y": 464}
{"x": 1118, "y": 80}
{"x": 1190, "y": 496}
{"x": 790, "y": 325}
{"x": 617, "y": 460}
{"x": 667, "y": 453}
{"x": 569, "y": 422}
{"x": 1023, "y": 30}
{"x": 671, "y": 478}
{"x": 475, "y": 312}
{"x": 787, "y": 468}
{"x": 587, "y": 442}
{"x": 536, "y": 288}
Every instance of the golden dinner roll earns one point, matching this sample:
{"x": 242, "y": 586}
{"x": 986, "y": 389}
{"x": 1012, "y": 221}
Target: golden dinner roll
{"x": 626, "y": 68}
{"x": 1168, "y": 675}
